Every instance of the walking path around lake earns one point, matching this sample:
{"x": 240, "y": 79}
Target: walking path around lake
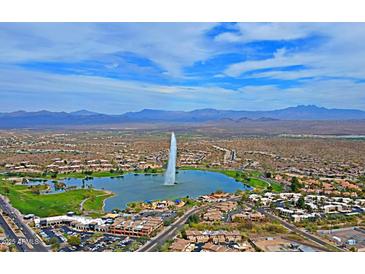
{"x": 108, "y": 193}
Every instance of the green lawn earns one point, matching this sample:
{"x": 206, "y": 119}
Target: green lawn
{"x": 95, "y": 203}
{"x": 44, "y": 205}
{"x": 276, "y": 187}
{"x": 257, "y": 183}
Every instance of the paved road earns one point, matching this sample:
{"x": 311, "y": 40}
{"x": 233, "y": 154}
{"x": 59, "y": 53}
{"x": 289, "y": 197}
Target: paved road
{"x": 11, "y": 235}
{"x": 28, "y": 233}
{"x": 169, "y": 232}
{"x": 297, "y": 230}
{"x": 173, "y": 229}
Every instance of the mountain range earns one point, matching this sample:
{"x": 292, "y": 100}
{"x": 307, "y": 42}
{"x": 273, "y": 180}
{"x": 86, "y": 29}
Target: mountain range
{"x": 39, "y": 119}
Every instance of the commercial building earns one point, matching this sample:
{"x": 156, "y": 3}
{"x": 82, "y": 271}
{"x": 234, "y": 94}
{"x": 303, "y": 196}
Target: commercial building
{"x": 220, "y": 236}
{"x": 136, "y": 228}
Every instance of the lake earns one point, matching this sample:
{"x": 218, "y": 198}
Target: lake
{"x": 141, "y": 187}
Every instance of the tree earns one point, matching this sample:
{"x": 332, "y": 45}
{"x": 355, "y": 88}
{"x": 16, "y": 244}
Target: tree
{"x": 193, "y": 219}
{"x": 309, "y": 208}
{"x": 245, "y": 196}
{"x": 301, "y": 203}
{"x": 167, "y": 222}
{"x": 55, "y": 245}
{"x": 295, "y": 185}
{"x": 74, "y": 240}
{"x": 12, "y": 248}
{"x": 54, "y": 174}
{"x": 183, "y": 234}
{"x": 353, "y": 249}
{"x": 268, "y": 174}
{"x": 238, "y": 192}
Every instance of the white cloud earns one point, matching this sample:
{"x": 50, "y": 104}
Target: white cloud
{"x": 280, "y": 59}
{"x": 38, "y": 90}
{"x": 70, "y": 92}
{"x": 172, "y": 46}
{"x": 340, "y": 54}
{"x": 326, "y": 93}
{"x": 248, "y": 32}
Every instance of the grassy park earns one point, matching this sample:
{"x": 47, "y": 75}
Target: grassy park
{"x": 42, "y": 205}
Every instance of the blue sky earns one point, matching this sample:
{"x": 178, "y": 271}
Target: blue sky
{"x": 119, "y": 67}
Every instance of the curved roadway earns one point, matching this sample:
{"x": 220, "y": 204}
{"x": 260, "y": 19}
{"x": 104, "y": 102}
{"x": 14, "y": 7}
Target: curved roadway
{"x": 168, "y": 232}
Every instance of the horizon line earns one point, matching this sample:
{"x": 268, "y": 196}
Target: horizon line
{"x": 156, "y": 109}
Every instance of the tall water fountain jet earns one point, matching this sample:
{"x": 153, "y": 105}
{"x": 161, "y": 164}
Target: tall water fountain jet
{"x": 171, "y": 166}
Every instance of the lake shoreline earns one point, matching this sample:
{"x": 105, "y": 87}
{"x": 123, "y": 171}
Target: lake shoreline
{"x": 133, "y": 187}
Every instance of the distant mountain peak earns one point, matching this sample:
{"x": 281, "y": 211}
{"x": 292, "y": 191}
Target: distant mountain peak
{"x": 83, "y": 112}
{"x": 22, "y": 119}
{"x": 307, "y": 106}
{"x": 150, "y": 110}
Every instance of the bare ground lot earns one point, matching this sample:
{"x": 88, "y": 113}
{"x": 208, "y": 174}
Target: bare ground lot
{"x": 229, "y": 128}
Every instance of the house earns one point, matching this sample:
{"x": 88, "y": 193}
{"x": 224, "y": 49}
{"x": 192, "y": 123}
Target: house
{"x": 331, "y": 208}
{"x": 195, "y": 236}
{"x": 284, "y": 212}
{"x": 220, "y": 236}
{"x": 255, "y": 216}
{"x": 179, "y": 245}
{"x": 213, "y": 215}
{"x": 301, "y": 217}
{"x": 226, "y": 206}
{"x": 233, "y": 236}
{"x": 254, "y": 197}
{"x": 110, "y": 216}
{"x": 251, "y": 216}
{"x": 210, "y": 247}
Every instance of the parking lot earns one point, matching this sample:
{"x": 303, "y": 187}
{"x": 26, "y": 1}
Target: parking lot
{"x": 89, "y": 241}
{"x": 347, "y": 237}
